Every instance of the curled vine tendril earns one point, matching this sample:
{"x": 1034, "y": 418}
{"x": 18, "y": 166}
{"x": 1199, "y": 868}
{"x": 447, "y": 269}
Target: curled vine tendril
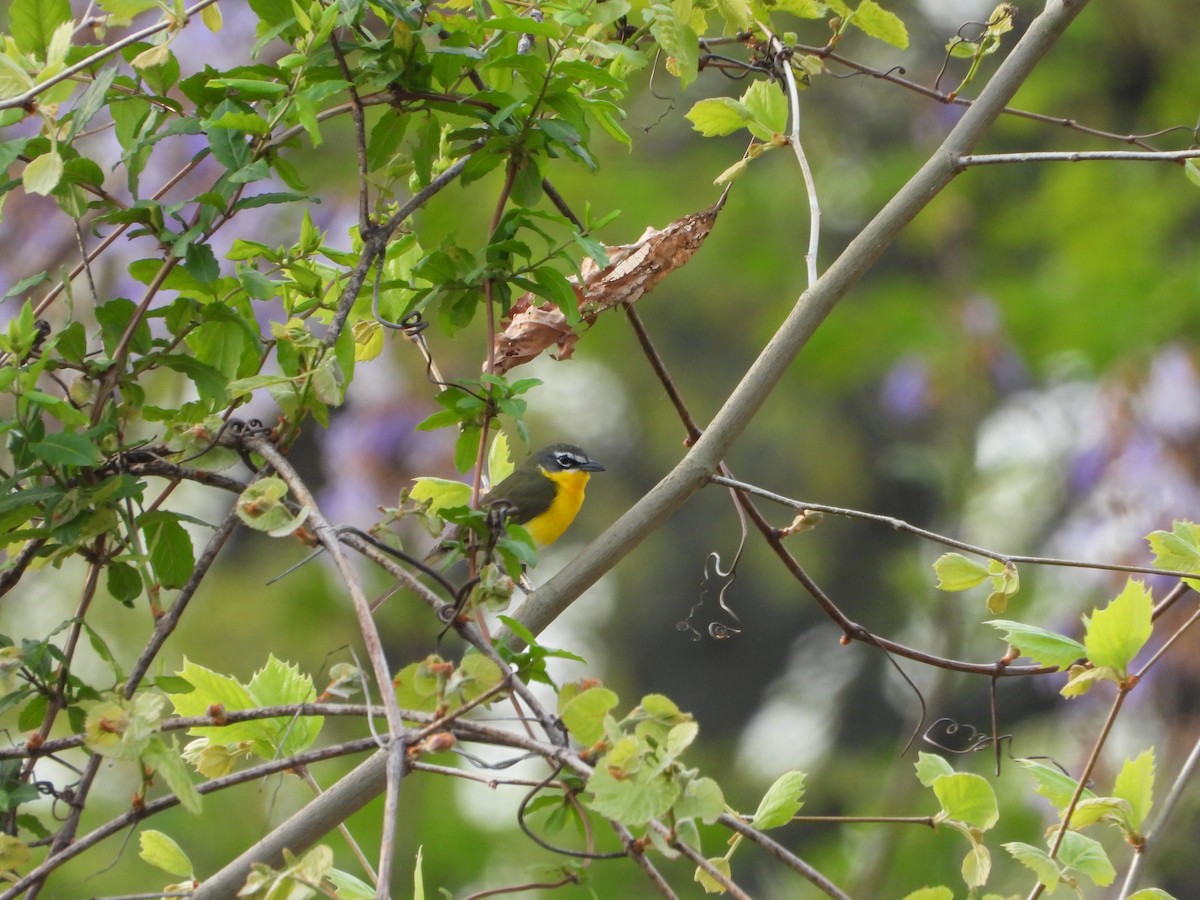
{"x": 716, "y": 629}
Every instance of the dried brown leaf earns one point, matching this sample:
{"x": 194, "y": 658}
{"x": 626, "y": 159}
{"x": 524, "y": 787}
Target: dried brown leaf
{"x": 633, "y": 270}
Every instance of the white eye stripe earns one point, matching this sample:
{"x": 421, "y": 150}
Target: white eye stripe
{"x": 569, "y": 460}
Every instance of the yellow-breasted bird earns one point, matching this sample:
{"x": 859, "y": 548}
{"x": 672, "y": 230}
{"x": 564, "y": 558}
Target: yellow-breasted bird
{"x": 544, "y": 492}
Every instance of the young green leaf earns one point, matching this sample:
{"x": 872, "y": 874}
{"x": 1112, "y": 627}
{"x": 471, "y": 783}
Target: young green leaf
{"x": 967, "y": 798}
{"x": 876, "y": 21}
{"x": 977, "y": 865}
{"x": 701, "y": 799}
{"x": 930, "y": 766}
{"x": 781, "y": 802}
{"x": 718, "y": 116}
{"x": 584, "y": 713}
{"x": 940, "y": 892}
{"x": 1044, "y": 647}
{"x": 706, "y": 881}
{"x": 956, "y": 572}
{"x": 1116, "y": 633}
{"x": 1045, "y": 868}
{"x": 1179, "y": 548}
{"x": 1086, "y": 856}
{"x": 768, "y": 108}
{"x": 1135, "y": 784}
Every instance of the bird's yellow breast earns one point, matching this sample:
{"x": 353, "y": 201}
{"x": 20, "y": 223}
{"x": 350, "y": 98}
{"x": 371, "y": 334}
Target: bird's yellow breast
{"x": 548, "y": 527}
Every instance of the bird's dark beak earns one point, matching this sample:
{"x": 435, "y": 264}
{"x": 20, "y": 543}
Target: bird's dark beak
{"x": 592, "y": 466}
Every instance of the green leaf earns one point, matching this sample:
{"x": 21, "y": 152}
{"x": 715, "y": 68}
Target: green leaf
{"x": 1086, "y": 856}
{"x": 262, "y": 507}
{"x": 768, "y": 108}
{"x": 34, "y": 22}
{"x": 719, "y": 116}
{"x": 1044, "y": 647}
{"x": 352, "y": 888}
{"x": 1038, "y": 860}
{"x": 956, "y": 572}
{"x": 1081, "y": 678}
{"x": 1054, "y": 785}
{"x": 276, "y": 683}
{"x": 123, "y": 582}
{"x": 1116, "y": 633}
{"x": 781, "y": 802}
{"x": 930, "y": 767}
{"x": 976, "y": 866}
{"x": 633, "y": 801}
{"x": 475, "y": 676}
{"x": 14, "y": 853}
{"x": 67, "y": 449}
{"x": 1150, "y": 894}
{"x": 166, "y": 762}
{"x": 871, "y": 18}
{"x": 1135, "y": 784}
{"x": 170, "y": 548}
{"x": 499, "y": 461}
{"x": 701, "y": 799}
{"x": 43, "y": 174}
{"x": 163, "y": 853}
{"x": 1191, "y": 170}
{"x": 706, "y": 881}
{"x": 1178, "y": 549}
{"x": 967, "y": 798}
{"x": 940, "y": 892}
{"x": 440, "y": 493}
{"x": 584, "y": 713}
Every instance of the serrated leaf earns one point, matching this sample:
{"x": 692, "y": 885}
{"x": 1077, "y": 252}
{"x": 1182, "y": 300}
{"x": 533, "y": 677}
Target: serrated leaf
{"x": 956, "y": 572}
{"x": 584, "y": 713}
{"x": 718, "y": 116}
{"x": 440, "y": 493}
{"x": 1054, "y": 785}
{"x": 768, "y": 108}
{"x": 781, "y": 802}
{"x": 33, "y": 23}
{"x": 930, "y": 767}
{"x": 1178, "y": 549}
{"x": 876, "y": 21}
{"x": 1116, "y": 633}
{"x": 1086, "y": 856}
{"x": 967, "y": 798}
{"x": 1135, "y": 785}
{"x": 162, "y": 852}
{"x": 1044, "y": 647}
{"x": 1081, "y": 678}
{"x": 1038, "y": 860}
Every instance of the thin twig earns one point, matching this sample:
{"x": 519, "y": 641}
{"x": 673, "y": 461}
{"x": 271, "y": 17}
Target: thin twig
{"x": 784, "y": 855}
{"x": 23, "y": 100}
{"x": 903, "y": 526}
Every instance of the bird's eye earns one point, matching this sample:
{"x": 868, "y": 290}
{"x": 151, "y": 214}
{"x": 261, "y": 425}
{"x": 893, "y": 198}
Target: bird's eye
{"x": 568, "y": 460}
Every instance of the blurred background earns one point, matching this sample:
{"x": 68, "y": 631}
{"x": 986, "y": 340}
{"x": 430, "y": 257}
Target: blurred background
{"x": 1019, "y": 371}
